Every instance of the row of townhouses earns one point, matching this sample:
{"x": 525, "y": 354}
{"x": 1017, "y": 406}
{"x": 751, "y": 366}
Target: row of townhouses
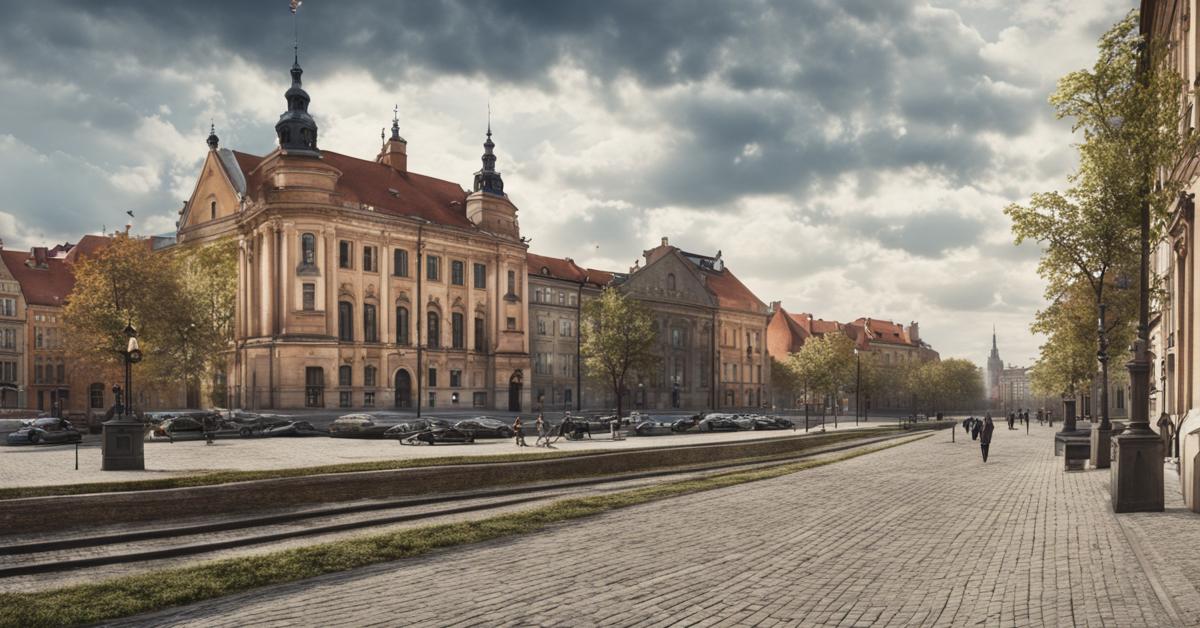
{"x": 363, "y": 284}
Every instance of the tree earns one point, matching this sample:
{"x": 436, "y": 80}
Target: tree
{"x": 180, "y": 303}
{"x": 1129, "y": 116}
{"x": 618, "y": 341}
{"x": 825, "y": 364}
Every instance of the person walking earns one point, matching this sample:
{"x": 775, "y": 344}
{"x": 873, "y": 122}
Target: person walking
{"x": 1041, "y": 416}
{"x": 967, "y": 424}
{"x": 615, "y": 427}
{"x": 1010, "y": 420}
{"x": 541, "y": 431}
{"x": 985, "y": 437}
{"x": 519, "y": 432}
{"x": 975, "y": 427}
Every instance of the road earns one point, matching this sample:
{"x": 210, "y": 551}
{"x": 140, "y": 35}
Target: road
{"x": 923, "y": 534}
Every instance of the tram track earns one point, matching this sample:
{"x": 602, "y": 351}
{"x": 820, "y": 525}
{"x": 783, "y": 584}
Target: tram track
{"x": 256, "y": 533}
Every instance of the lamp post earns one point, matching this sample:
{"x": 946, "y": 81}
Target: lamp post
{"x": 857, "y": 383}
{"x": 1101, "y": 437}
{"x": 123, "y": 449}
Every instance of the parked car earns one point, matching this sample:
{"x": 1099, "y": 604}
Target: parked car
{"x": 251, "y": 423}
{"x": 46, "y": 430}
{"x": 188, "y": 428}
{"x": 439, "y": 435}
{"x": 485, "y": 427}
{"x": 653, "y": 428}
{"x": 761, "y": 422}
{"x": 414, "y": 426}
{"x": 364, "y": 424}
{"x": 292, "y": 428}
{"x": 685, "y": 424}
{"x": 719, "y": 423}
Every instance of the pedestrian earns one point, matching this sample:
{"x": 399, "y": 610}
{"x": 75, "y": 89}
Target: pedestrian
{"x": 967, "y": 424}
{"x": 615, "y": 427}
{"x": 1041, "y": 416}
{"x": 541, "y": 431}
{"x": 1010, "y": 420}
{"x": 1050, "y": 417}
{"x": 519, "y": 432}
{"x": 1025, "y": 417}
{"x": 975, "y": 427}
{"x": 985, "y": 438}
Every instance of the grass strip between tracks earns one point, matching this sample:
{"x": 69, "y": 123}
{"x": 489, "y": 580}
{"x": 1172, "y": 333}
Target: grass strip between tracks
{"x": 228, "y": 477}
{"x": 142, "y": 593}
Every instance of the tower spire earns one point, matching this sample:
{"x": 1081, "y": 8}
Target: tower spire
{"x": 296, "y": 129}
{"x": 213, "y": 141}
{"x": 488, "y": 178}
{"x": 396, "y": 125}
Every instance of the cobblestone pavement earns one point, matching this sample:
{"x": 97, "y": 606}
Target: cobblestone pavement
{"x": 91, "y": 574}
{"x": 920, "y": 535}
{"x": 52, "y": 465}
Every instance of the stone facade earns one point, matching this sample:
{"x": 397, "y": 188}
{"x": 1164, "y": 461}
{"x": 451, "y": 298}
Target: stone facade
{"x": 557, "y": 289}
{"x": 362, "y": 284}
{"x": 14, "y": 383}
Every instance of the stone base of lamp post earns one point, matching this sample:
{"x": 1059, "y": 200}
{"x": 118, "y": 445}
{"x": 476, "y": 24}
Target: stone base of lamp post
{"x": 123, "y": 447}
{"x": 1069, "y": 434}
{"x": 1137, "y": 472}
{"x": 1101, "y": 441}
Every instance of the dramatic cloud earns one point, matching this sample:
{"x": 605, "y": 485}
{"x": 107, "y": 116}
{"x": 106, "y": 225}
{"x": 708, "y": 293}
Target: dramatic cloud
{"x": 848, "y": 157}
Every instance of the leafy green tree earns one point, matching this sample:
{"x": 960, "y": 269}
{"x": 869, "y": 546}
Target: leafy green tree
{"x": 180, "y": 302}
{"x": 825, "y": 365}
{"x": 618, "y": 341}
{"x": 1130, "y": 123}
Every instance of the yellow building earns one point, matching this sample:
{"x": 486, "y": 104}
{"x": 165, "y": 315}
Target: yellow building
{"x": 360, "y": 283}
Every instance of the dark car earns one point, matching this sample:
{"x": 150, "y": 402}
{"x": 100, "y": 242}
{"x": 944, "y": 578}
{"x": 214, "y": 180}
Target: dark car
{"x": 685, "y": 424}
{"x": 719, "y": 423}
{"x": 485, "y": 427}
{"x": 251, "y": 423}
{"x": 448, "y": 435}
{"x": 188, "y": 428}
{"x": 292, "y": 428}
{"x": 414, "y": 426}
{"x": 760, "y": 422}
{"x": 363, "y": 425}
{"x": 46, "y": 430}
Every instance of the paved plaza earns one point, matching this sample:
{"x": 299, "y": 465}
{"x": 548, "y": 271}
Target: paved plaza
{"x": 923, "y": 534}
{"x": 45, "y": 465}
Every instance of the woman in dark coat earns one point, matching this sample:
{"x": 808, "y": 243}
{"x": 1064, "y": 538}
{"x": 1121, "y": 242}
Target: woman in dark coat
{"x": 976, "y": 426}
{"x": 985, "y": 437}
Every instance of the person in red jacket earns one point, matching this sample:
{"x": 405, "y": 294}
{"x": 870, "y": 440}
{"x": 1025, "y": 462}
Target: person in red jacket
{"x": 985, "y": 435}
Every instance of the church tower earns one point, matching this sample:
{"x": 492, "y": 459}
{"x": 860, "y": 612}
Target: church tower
{"x": 994, "y": 366}
{"x": 296, "y": 129}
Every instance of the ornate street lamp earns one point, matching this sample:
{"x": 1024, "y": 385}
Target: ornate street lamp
{"x": 123, "y": 448}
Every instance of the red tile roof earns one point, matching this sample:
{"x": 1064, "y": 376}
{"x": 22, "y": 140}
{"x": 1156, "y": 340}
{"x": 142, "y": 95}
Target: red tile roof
{"x": 730, "y": 291}
{"x": 885, "y": 331}
{"x": 41, "y": 286}
{"x": 87, "y": 246}
{"x": 565, "y": 268}
{"x": 382, "y": 187}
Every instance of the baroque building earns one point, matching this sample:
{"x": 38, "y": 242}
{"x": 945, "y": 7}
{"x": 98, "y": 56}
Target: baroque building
{"x": 13, "y": 382}
{"x": 360, "y": 282}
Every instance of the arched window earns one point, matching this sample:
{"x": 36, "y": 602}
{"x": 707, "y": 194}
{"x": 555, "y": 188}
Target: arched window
{"x": 671, "y": 281}
{"x": 308, "y": 249}
{"x": 345, "y": 375}
{"x": 370, "y": 330}
{"x": 212, "y": 210}
{"x": 345, "y": 321}
{"x": 401, "y": 325}
{"x": 434, "y": 331}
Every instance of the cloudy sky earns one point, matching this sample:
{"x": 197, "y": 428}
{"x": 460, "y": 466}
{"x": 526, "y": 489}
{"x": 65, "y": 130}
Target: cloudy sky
{"x": 848, "y": 157}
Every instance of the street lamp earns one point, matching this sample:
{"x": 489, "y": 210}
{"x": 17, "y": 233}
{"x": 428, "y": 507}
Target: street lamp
{"x": 857, "y": 382}
{"x": 123, "y": 449}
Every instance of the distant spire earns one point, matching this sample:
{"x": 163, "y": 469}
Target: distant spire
{"x": 396, "y": 125}
{"x": 213, "y": 141}
{"x": 993, "y": 336}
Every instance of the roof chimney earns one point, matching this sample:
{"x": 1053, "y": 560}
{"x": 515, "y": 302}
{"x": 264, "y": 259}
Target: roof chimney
{"x": 775, "y": 306}
{"x": 665, "y": 241}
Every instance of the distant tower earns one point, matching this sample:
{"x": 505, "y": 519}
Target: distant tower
{"x": 296, "y": 129}
{"x": 994, "y": 366}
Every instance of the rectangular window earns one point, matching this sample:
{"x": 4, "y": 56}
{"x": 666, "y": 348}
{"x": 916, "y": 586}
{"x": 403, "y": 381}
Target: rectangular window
{"x": 400, "y": 263}
{"x": 458, "y": 273}
{"x": 10, "y": 307}
{"x": 541, "y": 327}
{"x": 480, "y": 276}
{"x": 1121, "y": 398}
{"x": 432, "y": 378}
{"x": 455, "y": 378}
{"x": 310, "y": 297}
{"x": 677, "y": 338}
{"x": 512, "y": 282}
{"x": 479, "y": 339}
{"x": 62, "y": 376}
{"x": 479, "y": 399}
{"x": 314, "y": 387}
{"x": 369, "y": 259}
{"x": 370, "y": 328}
{"x": 562, "y": 298}
{"x": 457, "y": 331}
{"x": 344, "y": 399}
{"x": 566, "y": 328}
{"x": 432, "y": 399}
{"x": 510, "y": 323}
{"x": 571, "y": 300}
{"x": 368, "y": 399}
{"x": 345, "y": 254}
{"x": 433, "y": 270}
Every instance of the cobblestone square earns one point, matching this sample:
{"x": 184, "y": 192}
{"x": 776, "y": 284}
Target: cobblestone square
{"x": 919, "y": 535}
